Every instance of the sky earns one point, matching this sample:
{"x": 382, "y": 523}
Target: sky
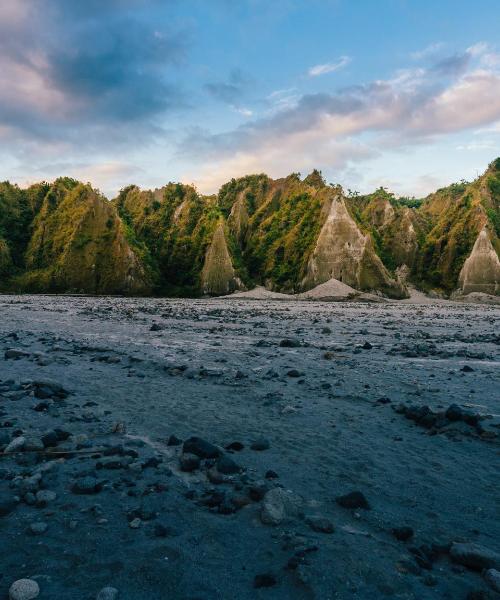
{"x": 399, "y": 93}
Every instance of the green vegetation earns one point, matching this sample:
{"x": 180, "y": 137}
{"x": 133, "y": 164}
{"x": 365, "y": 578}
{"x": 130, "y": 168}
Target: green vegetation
{"x": 65, "y": 236}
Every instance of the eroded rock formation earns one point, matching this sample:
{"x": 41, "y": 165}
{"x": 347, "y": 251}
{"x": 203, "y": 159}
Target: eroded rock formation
{"x": 481, "y": 270}
{"x": 343, "y": 252}
{"x": 218, "y": 276}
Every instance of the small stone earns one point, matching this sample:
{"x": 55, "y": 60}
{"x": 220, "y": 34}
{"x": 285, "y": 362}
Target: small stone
{"x": 403, "y": 534}
{"x": 320, "y": 524}
{"x": 474, "y": 556}
{"x": 38, "y": 528}
{"x": 293, "y": 373}
{"x": 260, "y": 444}
{"x": 107, "y": 593}
{"x": 50, "y": 439}
{"x": 16, "y": 445}
{"x": 15, "y": 353}
{"x": 24, "y": 589}
{"x": 189, "y": 462}
{"x": 264, "y": 580}
{"x": 492, "y": 578}
{"x": 49, "y": 389}
{"x": 280, "y": 505}
{"x": 367, "y": 346}
{"x": 227, "y": 466}
{"x": 135, "y": 523}
{"x": 200, "y": 447}
{"x": 257, "y": 492}
{"x": 235, "y": 446}
{"x": 290, "y": 343}
{"x": 353, "y": 500}
{"x": 270, "y": 474}
{"x": 44, "y": 497}
{"x": 173, "y": 440}
{"x": 467, "y": 369}
{"x": 86, "y": 485}
{"x": 454, "y": 413}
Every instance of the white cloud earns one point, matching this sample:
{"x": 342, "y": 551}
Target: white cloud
{"x": 329, "y": 67}
{"x": 428, "y": 51}
{"x": 413, "y": 108}
{"x": 246, "y": 112}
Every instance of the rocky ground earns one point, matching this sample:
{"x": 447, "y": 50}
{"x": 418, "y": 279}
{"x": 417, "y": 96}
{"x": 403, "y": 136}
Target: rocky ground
{"x": 222, "y": 449}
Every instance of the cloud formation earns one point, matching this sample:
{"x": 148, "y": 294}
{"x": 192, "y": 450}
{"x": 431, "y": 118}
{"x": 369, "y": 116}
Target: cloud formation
{"x": 331, "y": 130}
{"x": 67, "y": 65}
{"x": 329, "y": 67}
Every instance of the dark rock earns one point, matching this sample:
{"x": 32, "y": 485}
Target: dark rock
{"x": 62, "y": 435}
{"x": 86, "y": 485}
{"x": 353, "y": 500}
{"x": 271, "y": 474}
{"x": 264, "y": 580}
{"x": 49, "y": 389}
{"x": 173, "y": 440}
{"x": 320, "y": 524}
{"x": 152, "y": 462}
{"x": 155, "y": 327}
{"x": 367, "y": 346}
{"x": 257, "y": 492}
{"x": 235, "y": 446}
{"x": 454, "y": 413}
{"x": 383, "y": 400}
{"x": 474, "y": 556}
{"x": 50, "y": 439}
{"x": 403, "y": 534}
{"x": 227, "y": 466}
{"x": 16, "y": 353}
{"x": 189, "y": 462}
{"x": 290, "y": 343}
{"x": 200, "y": 447}
{"x": 293, "y": 373}
{"x": 428, "y": 421}
{"x": 467, "y": 369}
{"x": 240, "y": 500}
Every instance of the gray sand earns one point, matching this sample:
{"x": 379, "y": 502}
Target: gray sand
{"x": 215, "y": 369}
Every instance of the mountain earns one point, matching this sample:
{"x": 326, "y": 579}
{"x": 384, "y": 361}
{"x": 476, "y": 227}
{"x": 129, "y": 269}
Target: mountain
{"x": 288, "y": 234}
{"x": 74, "y": 241}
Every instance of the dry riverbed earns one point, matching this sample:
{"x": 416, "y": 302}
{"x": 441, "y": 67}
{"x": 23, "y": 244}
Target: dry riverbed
{"x": 222, "y": 449}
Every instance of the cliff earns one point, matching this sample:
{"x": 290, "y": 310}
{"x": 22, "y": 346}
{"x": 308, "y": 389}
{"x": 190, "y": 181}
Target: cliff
{"x": 287, "y": 234}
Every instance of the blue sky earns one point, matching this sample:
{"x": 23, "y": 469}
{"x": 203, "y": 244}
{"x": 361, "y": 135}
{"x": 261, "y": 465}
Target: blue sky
{"x": 404, "y": 94}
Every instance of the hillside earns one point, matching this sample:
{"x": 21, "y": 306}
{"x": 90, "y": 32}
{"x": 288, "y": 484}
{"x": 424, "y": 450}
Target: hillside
{"x": 289, "y": 235}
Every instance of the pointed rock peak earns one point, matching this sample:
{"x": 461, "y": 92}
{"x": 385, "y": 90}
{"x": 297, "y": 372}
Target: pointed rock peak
{"x": 315, "y": 179}
{"x": 218, "y": 276}
{"x": 342, "y": 252}
{"x": 481, "y": 270}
